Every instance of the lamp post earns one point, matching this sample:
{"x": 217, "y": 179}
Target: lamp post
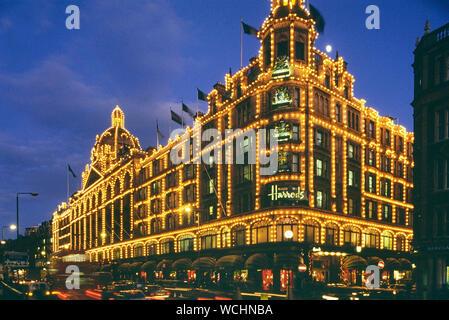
{"x": 33, "y": 194}
{"x": 11, "y": 227}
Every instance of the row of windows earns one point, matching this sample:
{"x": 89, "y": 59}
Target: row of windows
{"x": 260, "y": 233}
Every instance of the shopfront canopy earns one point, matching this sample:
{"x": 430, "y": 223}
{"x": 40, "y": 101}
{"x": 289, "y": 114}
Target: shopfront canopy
{"x": 373, "y": 260}
{"x": 164, "y": 264}
{"x": 234, "y": 262}
{"x": 182, "y": 264}
{"x": 206, "y": 263}
{"x": 405, "y": 264}
{"x": 258, "y": 261}
{"x": 287, "y": 260}
{"x": 354, "y": 262}
{"x": 148, "y": 266}
{"x": 392, "y": 264}
{"x": 124, "y": 267}
{"x": 135, "y": 267}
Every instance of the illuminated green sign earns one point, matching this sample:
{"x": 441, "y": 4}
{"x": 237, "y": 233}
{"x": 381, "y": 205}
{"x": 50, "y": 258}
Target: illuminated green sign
{"x": 287, "y": 193}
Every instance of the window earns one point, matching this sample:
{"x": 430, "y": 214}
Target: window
{"x": 295, "y": 162}
{"x": 295, "y": 132}
{"x": 353, "y": 208}
{"x": 238, "y": 236}
{"x": 351, "y": 151}
{"x": 171, "y": 200}
{"x": 156, "y": 206}
{"x": 352, "y": 179}
{"x": 284, "y": 226}
{"x": 331, "y": 234}
{"x": 185, "y": 243}
{"x": 167, "y": 246}
{"x": 327, "y": 81}
{"x": 299, "y": 50}
{"x": 297, "y": 98}
{"x": 400, "y": 216}
{"x": 371, "y": 240}
{"x": 321, "y": 168}
{"x": 282, "y": 48}
{"x": 353, "y": 119}
{"x": 208, "y": 241}
{"x": 211, "y": 186}
{"x": 321, "y": 199}
{"x": 371, "y": 129}
{"x": 352, "y": 237}
{"x": 260, "y": 233}
{"x": 338, "y": 113}
{"x": 189, "y": 193}
{"x": 387, "y": 240}
{"x": 312, "y": 232}
{"x": 371, "y": 183}
{"x": 371, "y": 158}
{"x": 189, "y": 171}
{"x": 441, "y": 125}
{"x": 385, "y": 188}
{"x": 371, "y": 210}
{"x": 152, "y": 249}
{"x": 387, "y": 213}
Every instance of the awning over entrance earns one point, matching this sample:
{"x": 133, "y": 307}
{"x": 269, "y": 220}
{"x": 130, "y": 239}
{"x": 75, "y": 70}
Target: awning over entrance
{"x": 135, "y": 267}
{"x": 405, "y": 264}
{"x": 204, "y": 263}
{"x": 124, "y": 267}
{"x": 163, "y": 265}
{"x": 182, "y": 264}
{"x": 392, "y": 264}
{"x": 258, "y": 261}
{"x": 373, "y": 260}
{"x": 286, "y": 260}
{"x": 148, "y": 266}
{"x": 234, "y": 262}
{"x": 354, "y": 262}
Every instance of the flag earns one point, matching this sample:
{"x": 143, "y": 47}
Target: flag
{"x": 316, "y": 15}
{"x": 158, "y": 131}
{"x": 188, "y": 110}
{"x": 249, "y": 30}
{"x": 176, "y": 117}
{"x": 71, "y": 171}
{"x": 201, "y": 95}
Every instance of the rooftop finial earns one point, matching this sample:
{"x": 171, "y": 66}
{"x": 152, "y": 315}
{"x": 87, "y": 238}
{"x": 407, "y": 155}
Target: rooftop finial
{"x": 118, "y": 117}
{"x": 427, "y": 28}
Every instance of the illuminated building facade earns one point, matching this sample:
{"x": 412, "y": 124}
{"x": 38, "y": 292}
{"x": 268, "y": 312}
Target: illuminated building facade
{"x": 345, "y": 172}
{"x": 431, "y": 117}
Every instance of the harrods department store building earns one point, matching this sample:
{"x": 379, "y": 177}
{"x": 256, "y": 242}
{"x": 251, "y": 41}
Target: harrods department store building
{"x": 352, "y": 168}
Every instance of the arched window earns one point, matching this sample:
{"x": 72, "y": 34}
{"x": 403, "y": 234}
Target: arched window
{"x": 352, "y": 236}
{"x": 238, "y": 236}
{"x": 260, "y": 232}
{"x": 151, "y": 249}
{"x": 116, "y": 254}
{"x": 117, "y": 188}
{"x": 400, "y": 243}
{"x": 170, "y": 222}
{"x": 108, "y": 193}
{"x": 93, "y": 202}
{"x": 312, "y": 232}
{"x": 225, "y": 235}
{"x": 208, "y": 240}
{"x": 167, "y": 246}
{"x": 371, "y": 239}
{"x": 185, "y": 243}
{"x": 100, "y": 198}
{"x": 127, "y": 181}
{"x": 287, "y": 230}
{"x": 138, "y": 251}
{"x": 156, "y": 225}
{"x": 387, "y": 240}
{"x": 331, "y": 236}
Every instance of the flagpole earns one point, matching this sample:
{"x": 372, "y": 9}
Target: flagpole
{"x": 182, "y": 114}
{"x": 241, "y": 43}
{"x": 169, "y": 126}
{"x": 197, "y": 103}
{"x": 157, "y": 135}
{"x": 67, "y": 169}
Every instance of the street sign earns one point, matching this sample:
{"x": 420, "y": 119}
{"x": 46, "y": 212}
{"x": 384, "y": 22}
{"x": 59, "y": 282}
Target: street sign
{"x": 381, "y": 264}
{"x": 302, "y": 267}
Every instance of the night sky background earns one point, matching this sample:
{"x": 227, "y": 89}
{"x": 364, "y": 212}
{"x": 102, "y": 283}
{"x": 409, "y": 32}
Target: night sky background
{"x": 58, "y": 86}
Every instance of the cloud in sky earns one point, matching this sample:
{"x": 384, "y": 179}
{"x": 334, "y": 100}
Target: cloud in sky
{"x": 125, "y": 53}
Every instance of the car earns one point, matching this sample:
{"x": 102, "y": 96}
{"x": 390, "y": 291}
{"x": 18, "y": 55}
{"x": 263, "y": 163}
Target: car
{"x": 130, "y": 295}
{"x": 38, "y": 290}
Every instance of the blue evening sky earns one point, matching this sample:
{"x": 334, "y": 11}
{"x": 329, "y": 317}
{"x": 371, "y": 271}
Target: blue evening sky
{"x": 58, "y": 86}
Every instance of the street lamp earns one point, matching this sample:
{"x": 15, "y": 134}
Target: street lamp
{"x": 33, "y": 194}
{"x": 11, "y": 227}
